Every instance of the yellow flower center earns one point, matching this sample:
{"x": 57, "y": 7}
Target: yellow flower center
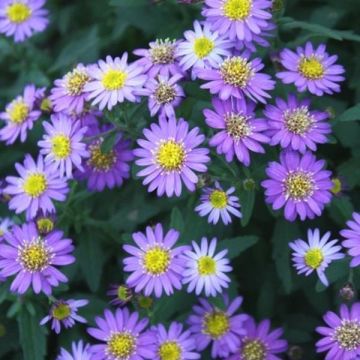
{"x": 237, "y": 125}
{"x": 45, "y": 225}
{"x": 170, "y": 350}
{"x": 121, "y": 345}
{"x": 298, "y": 121}
{"x": 170, "y": 155}
{"x": 215, "y": 324}
{"x": 314, "y": 258}
{"x": 203, "y": 47}
{"x": 165, "y": 93}
{"x": 162, "y": 52}
{"x": 218, "y": 199}
{"x": 18, "y": 111}
{"x": 156, "y": 260}
{"x": 18, "y": 12}
{"x": 61, "y": 311}
{"x": 46, "y": 105}
{"x": 100, "y": 161}
{"x": 299, "y": 185}
{"x": 348, "y": 335}
{"x": 237, "y": 9}
{"x": 35, "y": 184}
{"x": 337, "y": 186}
{"x": 114, "y": 79}
{"x": 61, "y": 146}
{"x": 206, "y": 266}
{"x": 75, "y": 81}
{"x": 236, "y": 71}
{"x": 311, "y": 68}
{"x": 253, "y": 350}
{"x": 35, "y": 256}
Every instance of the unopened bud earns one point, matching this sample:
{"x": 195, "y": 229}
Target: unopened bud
{"x": 295, "y": 352}
{"x": 347, "y": 292}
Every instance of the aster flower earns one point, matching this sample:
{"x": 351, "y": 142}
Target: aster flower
{"x": 238, "y": 19}
{"x": 238, "y": 76}
{"x": 260, "y": 342}
{"x": 311, "y": 69}
{"x": 170, "y": 156}
{"x": 45, "y": 223}
{"x": 341, "y": 334}
{"x": 79, "y": 351}
{"x": 113, "y": 81}
{"x": 63, "y": 144}
{"x": 206, "y": 270}
{"x": 22, "y": 18}
{"x": 202, "y": 49}
{"x": 5, "y": 226}
{"x": 160, "y": 58}
{"x": 352, "y": 239}
{"x": 222, "y": 328}
{"x": 122, "y": 336}
{"x": 68, "y": 94}
{"x": 293, "y": 125}
{"x": 316, "y": 254}
{"x": 121, "y": 294}
{"x": 155, "y": 265}
{"x": 239, "y": 130}
{"x": 64, "y": 312}
{"x": 34, "y": 258}
{"x": 19, "y": 116}
{"x": 299, "y": 184}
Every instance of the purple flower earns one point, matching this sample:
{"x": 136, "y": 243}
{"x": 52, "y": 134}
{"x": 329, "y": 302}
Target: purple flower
{"x": 238, "y": 19}
{"x": 315, "y": 254}
{"x": 170, "y": 156}
{"x": 21, "y": 18}
{"x": 121, "y": 294}
{"x": 45, "y": 223}
{"x": 155, "y": 265}
{"x": 294, "y": 126}
{"x": 341, "y": 335}
{"x": 64, "y": 312}
{"x": 122, "y": 336}
{"x": 206, "y": 270}
{"x": 311, "y": 69}
{"x": 260, "y": 342}
{"x": 68, "y": 94}
{"x": 238, "y": 77}
{"x": 222, "y": 328}
{"x": 34, "y": 258}
{"x": 239, "y": 130}
{"x": 36, "y": 187}
{"x": 19, "y": 116}
{"x": 113, "y": 81}
{"x": 352, "y": 236}
{"x": 298, "y": 183}
{"x": 79, "y": 352}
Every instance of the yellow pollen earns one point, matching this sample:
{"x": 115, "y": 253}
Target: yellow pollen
{"x": 215, "y": 324}
{"x": 35, "y": 184}
{"x": 298, "y": 121}
{"x": 100, "y": 161}
{"x": 314, "y": 258}
{"x": 237, "y": 9}
{"x": 337, "y": 186}
{"x": 121, "y": 345}
{"x": 236, "y": 71}
{"x": 45, "y": 225}
{"x": 311, "y": 68}
{"x": 35, "y": 256}
{"x": 203, "y": 47}
{"x": 61, "y": 146}
{"x": 218, "y": 199}
{"x": 61, "y": 311}
{"x": 170, "y": 155}
{"x": 156, "y": 260}
{"x": 75, "y": 81}
{"x": 165, "y": 93}
{"x": 162, "y": 52}
{"x": 18, "y": 111}
{"x": 253, "y": 350}
{"x": 18, "y": 12}
{"x": 237, "y": 126}
{"x": 299, "y": 185}
{"x": 206, "y": 266}
{"x": 169, "y": 350}
{"x": 114, "y": 79}
{"x": 348, "y": 335}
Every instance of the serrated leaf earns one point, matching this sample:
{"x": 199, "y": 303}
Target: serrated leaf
{"x": 237, "y": 245}
{"x": 351, "y": 114}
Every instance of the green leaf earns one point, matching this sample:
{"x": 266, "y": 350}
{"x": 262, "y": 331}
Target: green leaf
{"x": 247, "y": 200}
{"x": 109, "y": 142}
{"x": 341, "y": 209}
{"x": 351, "y": 114}
{"x": 336, "y": 271}
{"x": 177, "y": 220}
{"x": 237, "y": 245}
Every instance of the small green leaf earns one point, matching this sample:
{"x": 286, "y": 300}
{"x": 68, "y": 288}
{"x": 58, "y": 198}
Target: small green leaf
{"x": 237, "y": 245}
{"x": 177, "y": 220}
{"x": 108, "y": 143}
{"x": 351, "y": 114}
{"x": 247, "y": 200}
{"x": 336, "y": 271}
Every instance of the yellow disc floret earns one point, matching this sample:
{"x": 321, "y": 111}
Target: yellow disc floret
{"x": 61, "y": 311}
{"x": 18, "y": 111}
{"x": 203, "y": 47}
{"x": 34, "y": 256}
{"x": 237, "y": 126}
{"x": 298, "y": 121}
{"x": 164, "y": 93}
{"x": 218, "y": 199}
{"x": 35, "y": 184}
{"x": 18, "y": 12}
{"x": 237, "y": 9}
{"x": 156, "y": 260}
{"x": 236, "y": 71}
{"x": 347, "y": 335}
{"x": 170, "y": 155}
{"x": 169, "y": 350}
{"x": 162, "y": 51}
{"x": 216, "y": 324}
{"x": 101, "y": 161}
{"x": 114, "y": 79}
{"x": 314, "y": 258}
{"x": 75, "y": 81}
{"x": 206, "y": 266}
{"x": 299, "y": 185}
{"x": 311, "y": 68}
{"x": 121, "y": 345}
{"x": 253, "y": 350}
{"x": 61, "y": 146}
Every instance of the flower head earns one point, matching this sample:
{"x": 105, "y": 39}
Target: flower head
{"x": 45, "y": 223}
{"x": 80, "y": 351}
{"x": 352, "y": 239}
{"x": 121, "y": 294}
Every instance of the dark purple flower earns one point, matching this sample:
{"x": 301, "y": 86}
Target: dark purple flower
{"x": 121, "y": 294}
{"x": 352, "y": 236}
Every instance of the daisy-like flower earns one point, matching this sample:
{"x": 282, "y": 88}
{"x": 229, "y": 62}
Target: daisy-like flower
{"x": 341, "y": 334}
{"x": 121, "y": 294}
{"x": 294, "y": 126}
{"x": 260, "y": 343}
{"x": 22, "y": 18}
{"x": 219, "y": 204}
{"x": 205, "y": 269}
{"x": 174, "y": 344}
{"x": 160, "y": 58}
{"x": 155, "y": 264}
{"x": 5, "y": 226}
{"x": 239, "y": 130}
{"x": 170, "y": 156}
{"x": 222, "y": 328}
{"x": 63, "y": 144}
{"x": 311, "y": 69}
{"x": 299, "y": 184}
{"x": 352, "y": 236}
{"x": 64, "y": 312}
{"x": 202, "y": 49}
{"x": 113, "y": 81}
{"x": 238, "y": 19}
{"x": 316, "y": 254}
{"x": 79, "y": 351}
{"x": 122, "y": 337}
{"x": 238, "y": 76}
{"x": 36, "y": 187}
{"x": 68, "y": 94}
{"x": 34, "y": 258}
{"x": 19, "y": 116}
